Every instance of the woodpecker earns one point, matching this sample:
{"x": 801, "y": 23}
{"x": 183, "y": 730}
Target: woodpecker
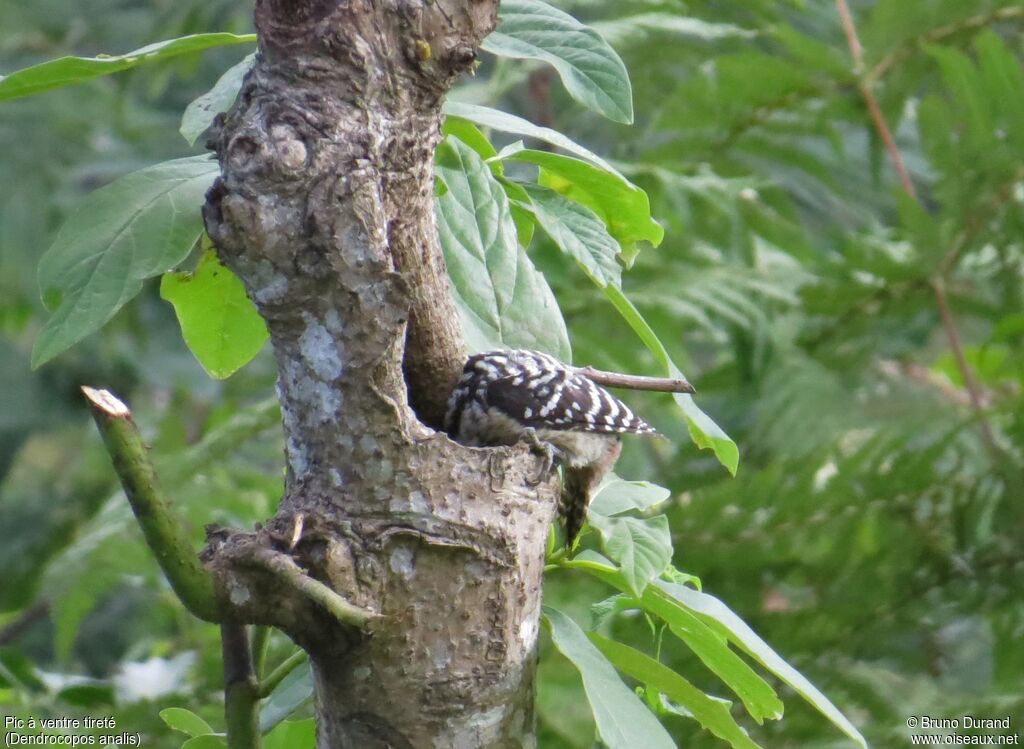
{"x": 503, "y": 397}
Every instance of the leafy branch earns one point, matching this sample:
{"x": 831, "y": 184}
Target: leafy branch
{"x": 937, "y": 281}
{"x": 972, "y": 23}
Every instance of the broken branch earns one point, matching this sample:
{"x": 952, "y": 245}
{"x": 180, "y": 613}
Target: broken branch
{"x": 288, "y": 572}
{"x": 166, "y": 537}
{"x": 637, "y": 382}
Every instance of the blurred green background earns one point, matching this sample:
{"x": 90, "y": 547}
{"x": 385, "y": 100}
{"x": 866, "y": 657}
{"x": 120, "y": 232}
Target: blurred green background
{"x": 873, "y": 533}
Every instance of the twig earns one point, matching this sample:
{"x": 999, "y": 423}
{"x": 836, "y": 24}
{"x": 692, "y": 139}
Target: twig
{"x": 260, "y": 645}
{"x": 288, "y": 572}
{"x": 924, "y": 376}
{"x": 877, "y": 116}
{"x": 1005, "y": 13}
{"x": 241, "y": 692}
{"x": 636, "y": 382}
{"x": 166, "y": 537}
{"x": 275, "y": 677}
{"x": 970, "y": 381}
{"x": 24, "y": 621}
{"x": 937, "y": 283}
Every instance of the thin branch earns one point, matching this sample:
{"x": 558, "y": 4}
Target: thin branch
{"x": 275, "y": 677}
{"x": 636, "y": 382}
{"x": 852, "y": 40}
{"x": 924, "y": 376}
{"x": 166, "y": 537}
{"x": 970, "y": 381}
{"x": 23, "y": 622}
{"x": 241, "y": 692}
{"x": 874, "y": 109}
{"x": 289, "y": 573}
{"x": 883, "y": 66}
{"x": 260, "y": 646}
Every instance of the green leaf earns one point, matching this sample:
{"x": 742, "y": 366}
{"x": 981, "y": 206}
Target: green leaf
{"x": 200, "y": 113}
{"x": 964, "y": 82}
{"x": 502, "y": 299}
{"x": 641, "y": 546}
{"x": 70, "y": 609}
{"x": 525, "y": 224}
{"x": 292, "y": 734}
{"x": 518, "y": 197}
{"x": 509, "y": 123}
{"x": 591, "y": 71}
{"x": 578, "y": 232}
{"x": 603, "y": 611}
{"x": 622, "y": 206}
{"x": 16, "y": 670}
{"x": 137, "y": 227}
{"x": 616, "y": 495}
{"x": 713, "y": 650}
{"x": 218, "y": 321}
{"x": 704, "y": 432}
{"x": 623, "y": 721}
{"x": 713, "y": 714}
{"x": 89, "y": 695}
{"x": 186, "y": 721}
{"x": 757, "y": 695}
{"x": 66, "y": 71}
{"x": 209, "y": 741}
{"x": 471, "y": 135}
{"x": 637, "y": 28}
{"x": 294, "y": 691}
{"x": 1004, "y": 82}
{"x": 722, "y": 619}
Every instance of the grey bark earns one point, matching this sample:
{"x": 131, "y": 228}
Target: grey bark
{"x": 325, "y": 210}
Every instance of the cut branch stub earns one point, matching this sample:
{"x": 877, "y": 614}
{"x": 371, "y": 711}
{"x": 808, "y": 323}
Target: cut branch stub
{"x": 325, "y": 210}
{"x": 164, "y": 533}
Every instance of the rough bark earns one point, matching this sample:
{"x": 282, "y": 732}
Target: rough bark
{"x": 325, "y": 211}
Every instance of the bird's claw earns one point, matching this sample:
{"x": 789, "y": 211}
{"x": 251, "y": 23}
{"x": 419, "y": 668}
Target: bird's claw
{"x": 546, "y": 450}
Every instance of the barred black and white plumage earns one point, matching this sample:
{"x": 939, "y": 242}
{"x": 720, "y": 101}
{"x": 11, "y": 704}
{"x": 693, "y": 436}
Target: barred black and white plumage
{"x": 507, "y": 396}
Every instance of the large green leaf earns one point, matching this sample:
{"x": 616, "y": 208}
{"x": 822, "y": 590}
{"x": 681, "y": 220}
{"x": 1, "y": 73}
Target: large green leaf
{"x": 710, "y": 712}
{"x": 578, "y": 232}
{"x": 757, "y": 695}
{"x": 137, "y": 227}
{"x": 503, "y": 300}
{"x": 16, "y": 670}
{"x": 642, "y": 547}
{"x": 200, "y": 112}
{"x": 218, "y": 321}
{"x": 294, "y": 691}
{"x": 704, "y": 432}
{"x": 616, "y": 495}
{"x": 637, "y": 28}
{"x": 590, "y": 69}
{"x": 470, "y": 134}
{"x": 209, "y": 741}
{"x": 621, "y": 205}
{"x": 292, "y": 734}
{"x": 509, "y": 123}
{"x": 185, "y": 721}
{"x": 66, "y": 71}
{"x": 722, "y": 619}
{"x": 623, "y": 721}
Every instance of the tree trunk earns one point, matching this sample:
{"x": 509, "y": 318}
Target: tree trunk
{"x": 325, "y": 210}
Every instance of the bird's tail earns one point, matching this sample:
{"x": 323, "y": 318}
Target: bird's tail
{"x": 574, "y": 500}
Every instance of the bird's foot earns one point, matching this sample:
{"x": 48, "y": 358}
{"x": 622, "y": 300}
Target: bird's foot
{"x": 546, "y": 450}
